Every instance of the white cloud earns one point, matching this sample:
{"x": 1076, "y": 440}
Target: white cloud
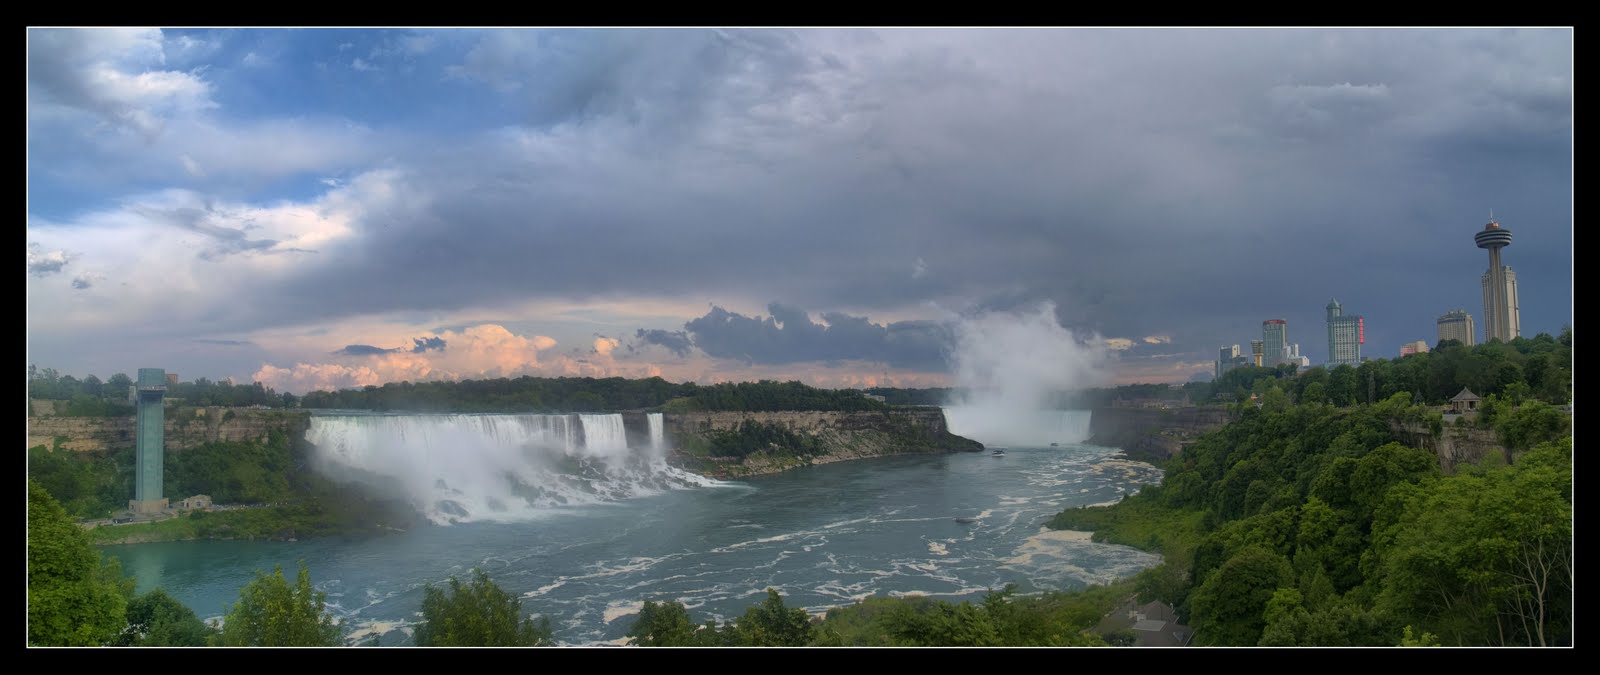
{"x": 1157, "y": 339}
{"x": 106, "y": 72}
{"x": 361, "y": 65}
{"x": 41, "y": 262}
{"x": 1119, "y": 344}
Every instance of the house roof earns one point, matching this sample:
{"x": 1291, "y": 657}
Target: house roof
{"x": 1466, "y": 395}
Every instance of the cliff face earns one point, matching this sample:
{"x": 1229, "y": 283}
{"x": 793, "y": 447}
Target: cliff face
{"x": 1152, "y": 434}
{"x": 185, "y": 428}
{"x": 1456, "y": 444}
{"x": 837, "y": 436}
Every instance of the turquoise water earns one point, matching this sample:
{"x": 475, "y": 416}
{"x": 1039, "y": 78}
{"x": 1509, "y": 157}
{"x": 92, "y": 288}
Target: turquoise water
{"x": 823, "y": 536}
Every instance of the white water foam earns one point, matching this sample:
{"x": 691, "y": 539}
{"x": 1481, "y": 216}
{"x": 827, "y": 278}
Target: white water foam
{"x": 459, "y": 468}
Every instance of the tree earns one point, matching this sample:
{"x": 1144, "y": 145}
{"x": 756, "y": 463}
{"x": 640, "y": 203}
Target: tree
{"x": 74, "y": 599}
{"x": 664, "y": 624}
{"x": 771, "y": 624}
{"x": 478, "y": 614}
{"x": 1532, "y": 423}
{"x": 117, "y": 385}
{"x": 156, "y": 619}
{"x": 1228, "y": 609}
{"x": 271, "y": 613}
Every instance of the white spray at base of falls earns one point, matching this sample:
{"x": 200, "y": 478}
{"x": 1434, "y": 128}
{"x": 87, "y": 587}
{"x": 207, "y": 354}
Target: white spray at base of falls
{"x": 1012, "y": 366}
{"x": 458, "y": 468}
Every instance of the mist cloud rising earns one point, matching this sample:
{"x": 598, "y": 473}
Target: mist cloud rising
{"x": 1010, "y": 366}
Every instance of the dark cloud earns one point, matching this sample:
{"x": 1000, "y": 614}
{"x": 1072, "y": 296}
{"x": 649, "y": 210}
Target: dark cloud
{"x": 82, "y": 282}
{"x": 677, "y": 342}
{"x": 1177, "y": 182}
{"x": 362, "y": 350}
{"x": 418, "y": 346}
{"x": 223, "y": 240}
{"x": 1153, "y": 198}
{"x": 425, "y": 344}
{"x": 790, "y": 336}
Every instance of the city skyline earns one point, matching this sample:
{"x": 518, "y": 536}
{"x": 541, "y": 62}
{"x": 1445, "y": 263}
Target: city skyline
{"x": 338, "y": 207}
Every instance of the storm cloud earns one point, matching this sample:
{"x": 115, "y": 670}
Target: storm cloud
{"x": 1181, "y": 184}
{"x": 677, "y": 342}
{"x": 790, "y": 336}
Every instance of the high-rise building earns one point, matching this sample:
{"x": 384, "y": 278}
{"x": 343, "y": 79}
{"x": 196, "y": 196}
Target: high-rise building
{"x": 1275, "y": 333}
{"x": 1501, "y": 318}
{"x": 1256, "y": 349}
{"x": 1418, "y": 347}
{"x": 1346, "y": 334}
{"x": 1229, "y": 358}
{"x": 1456, "y": 324}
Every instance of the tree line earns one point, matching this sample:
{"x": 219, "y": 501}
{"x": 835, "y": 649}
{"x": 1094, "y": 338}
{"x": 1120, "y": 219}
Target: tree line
{"x": 587, "y": 394}
{"x": 90, "y": 397}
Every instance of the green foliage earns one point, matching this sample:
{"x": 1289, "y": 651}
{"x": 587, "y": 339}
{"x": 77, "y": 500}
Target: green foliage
{"x": 477, "y": 614}
{"x": 771, "y": 624}
{"x": 1533, "y": 423}
{"x": 73, "y": 598}
{"x": 1484, "y": 558}
{"x": 234, "y": 472}
{"x": 90, "y": 398}
{"x": 1315, "y": 525}
{"x": 156, "y": 619}
{"x": 87, "y": 484}
{"x": 1231, "y": 604}
{"x": 85, "y": 405}
{"x": 271, "y": 613}
{"x": 752, "y": 436}
{"x": 663, "y": 624}
{"x": 587, "y": 394}
{"x": 1427, "y": 639}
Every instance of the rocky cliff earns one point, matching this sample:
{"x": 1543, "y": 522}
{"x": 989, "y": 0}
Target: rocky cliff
{"x": 826, "y": 436}
{"x": 1152, "y": 434}
{"x": 185, "y": 428}
{"x": 1455, "y": 444}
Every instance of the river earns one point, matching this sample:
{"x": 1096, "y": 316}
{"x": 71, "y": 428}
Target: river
{"x": 824, "y": 536}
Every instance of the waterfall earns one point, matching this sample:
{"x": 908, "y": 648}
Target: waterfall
{"x": 457, "y": 468}
{"x": 603, "y": 434}
{"x": 1021, "y": 428}
{"x": 658, "y": 441}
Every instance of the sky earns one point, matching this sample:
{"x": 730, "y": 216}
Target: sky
{"x": 317, "y": 208}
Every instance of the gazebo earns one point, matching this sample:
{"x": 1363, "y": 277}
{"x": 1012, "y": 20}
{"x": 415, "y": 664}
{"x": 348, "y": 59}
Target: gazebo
{"x": 1465, "y": 402}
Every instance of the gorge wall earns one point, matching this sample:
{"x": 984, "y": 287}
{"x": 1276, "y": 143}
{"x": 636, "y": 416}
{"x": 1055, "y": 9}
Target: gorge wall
{"x": 1152, "y": 434}
{"x": 185, "y": 428}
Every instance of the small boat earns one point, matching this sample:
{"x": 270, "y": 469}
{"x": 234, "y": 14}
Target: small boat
{"x": 998, "y": 452}
{"x": 966, "y": 521}
{"x": 1053, "y": 445}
